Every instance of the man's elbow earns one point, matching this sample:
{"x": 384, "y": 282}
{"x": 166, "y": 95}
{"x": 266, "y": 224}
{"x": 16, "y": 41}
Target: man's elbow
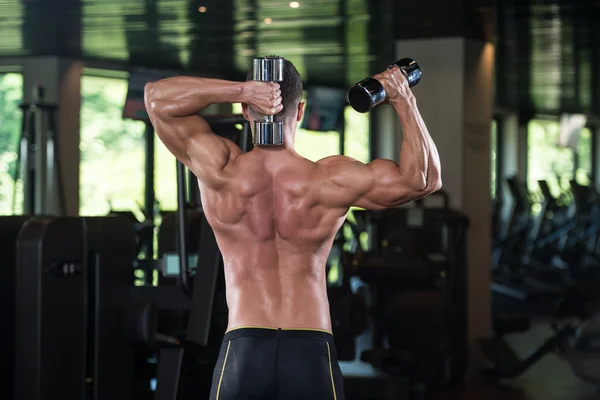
{"x": 436, "y": 185}
{"x": 149, "y": 95}
{"x": 427, "y": 184}
{"x": 431, "y": 185}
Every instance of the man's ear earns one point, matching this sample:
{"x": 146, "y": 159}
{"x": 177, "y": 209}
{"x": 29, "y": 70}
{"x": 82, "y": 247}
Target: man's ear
{"x": 300, "y": 111}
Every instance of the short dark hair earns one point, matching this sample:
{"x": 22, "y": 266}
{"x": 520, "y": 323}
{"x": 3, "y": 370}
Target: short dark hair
{"x": 291, "y": 90}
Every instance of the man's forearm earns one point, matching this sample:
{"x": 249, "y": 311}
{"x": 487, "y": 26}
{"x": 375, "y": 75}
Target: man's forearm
{"x": 185, "y": 96}
{"x": 419, "y": 157}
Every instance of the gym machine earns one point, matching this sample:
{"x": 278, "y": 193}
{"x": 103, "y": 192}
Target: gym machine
{"x": 38, "y": 158}
{"x": 414, "y": 268}
{"x": 178, "y": 322}
{"x": 71, "y": 285}
{"x": 576, "y": 334}
{"x": 9, "y": 230}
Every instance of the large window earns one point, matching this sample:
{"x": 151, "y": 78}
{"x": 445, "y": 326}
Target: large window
{"x": 11, "y": 94}
{"x": 546, "y": 160}
{"x": 112, "y": 149}
{"x": 555, "y": 164}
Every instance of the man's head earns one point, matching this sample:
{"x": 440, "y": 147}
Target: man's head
{"x": 291, "y": 96}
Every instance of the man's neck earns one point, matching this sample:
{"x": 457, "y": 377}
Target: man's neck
{"x": 289, "y": 132}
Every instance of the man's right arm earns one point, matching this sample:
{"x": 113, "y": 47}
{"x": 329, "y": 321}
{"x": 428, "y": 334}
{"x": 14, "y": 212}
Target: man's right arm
{"x": 384, "y": 183}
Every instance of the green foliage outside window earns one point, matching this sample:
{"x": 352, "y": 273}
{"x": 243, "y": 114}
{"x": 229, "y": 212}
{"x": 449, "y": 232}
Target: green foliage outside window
{"x": 112, "y": 149}
{"x": 11, "y": 95}
{"x": 546, "y": 160}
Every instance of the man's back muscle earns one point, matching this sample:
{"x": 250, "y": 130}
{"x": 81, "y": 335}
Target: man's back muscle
{"x": 275, "y": 233}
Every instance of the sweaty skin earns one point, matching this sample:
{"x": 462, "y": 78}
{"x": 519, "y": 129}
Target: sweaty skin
{"x": 275, "y": 213}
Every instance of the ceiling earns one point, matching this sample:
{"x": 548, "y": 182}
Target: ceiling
{"x": 319, "y": 36}
{"x": 547, "y": 50}
{"x": 547, "y": 55}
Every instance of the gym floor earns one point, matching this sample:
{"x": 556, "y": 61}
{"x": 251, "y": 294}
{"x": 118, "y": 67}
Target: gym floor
{"x": 550, "y": 379}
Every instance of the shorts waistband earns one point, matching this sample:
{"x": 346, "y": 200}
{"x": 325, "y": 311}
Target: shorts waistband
{"x": 278, "y": 333}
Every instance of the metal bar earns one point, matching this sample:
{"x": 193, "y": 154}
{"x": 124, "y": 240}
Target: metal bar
{"x": 169, "y": 373}
{"x": 245, "y": 136}
{"x": 205, "y": 285}
{"x": 30, "y": 192}
{"x": 182, "y": 236}
{"x": 21, "y": 164}
{"x": 193, "y": 190}
{"x": 149, "y": 192}
{"x": 500, "y": 127}
{"x": 343, "y": 11}
{"x": 594, "y": 154}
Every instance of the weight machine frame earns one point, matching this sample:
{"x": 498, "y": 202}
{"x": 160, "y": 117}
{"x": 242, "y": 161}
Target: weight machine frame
{"x": 38, "y": 158}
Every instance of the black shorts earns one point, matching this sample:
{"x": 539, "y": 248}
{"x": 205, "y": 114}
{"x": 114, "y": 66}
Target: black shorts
{"x": 270, "y": 363}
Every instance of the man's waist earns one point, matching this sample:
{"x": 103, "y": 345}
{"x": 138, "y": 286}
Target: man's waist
{"x": 278, "y": 333}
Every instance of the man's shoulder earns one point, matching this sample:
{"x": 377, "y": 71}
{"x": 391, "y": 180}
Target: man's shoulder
{"x": 333, "y": 160}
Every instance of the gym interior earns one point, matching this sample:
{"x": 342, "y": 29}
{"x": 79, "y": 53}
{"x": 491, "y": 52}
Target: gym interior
{"x": 112, "y": 286}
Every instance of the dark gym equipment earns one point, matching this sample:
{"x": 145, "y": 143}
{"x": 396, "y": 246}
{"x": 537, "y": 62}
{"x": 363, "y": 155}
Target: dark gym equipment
{"x": 583, "y": 351}
{"x": 547, "y": 265}
{"x": 415, "y": 272}
{"x": 72, "y": 284}
{"x": 268, "y": 132}
{"x": 179, "y": 320}
{"x": 38, "y": 156}
{"x": 517, "y": 273}
{"x": 9, "y": 230}
{"x": 369, "y": 92}
{"x": 576, "y": 333}
{"x": 179, "y": 329}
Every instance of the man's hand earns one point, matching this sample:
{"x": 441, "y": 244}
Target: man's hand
{"x": 396, "y": 86}
{"x": 263, "y": 97}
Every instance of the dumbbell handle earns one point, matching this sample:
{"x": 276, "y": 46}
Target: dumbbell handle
{"x": 268, "y": 132}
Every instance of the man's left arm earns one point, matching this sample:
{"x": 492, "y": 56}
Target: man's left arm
{"x": 174, "y": 106}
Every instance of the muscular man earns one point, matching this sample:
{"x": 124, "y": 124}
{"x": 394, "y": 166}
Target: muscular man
{"x": 275, "y": 215}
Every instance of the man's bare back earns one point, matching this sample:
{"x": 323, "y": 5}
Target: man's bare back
{"x": 275, "y": 230}
{"x": 275, "y": 214}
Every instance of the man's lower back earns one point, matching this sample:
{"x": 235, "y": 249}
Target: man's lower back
{"x": 260, "y": 299}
